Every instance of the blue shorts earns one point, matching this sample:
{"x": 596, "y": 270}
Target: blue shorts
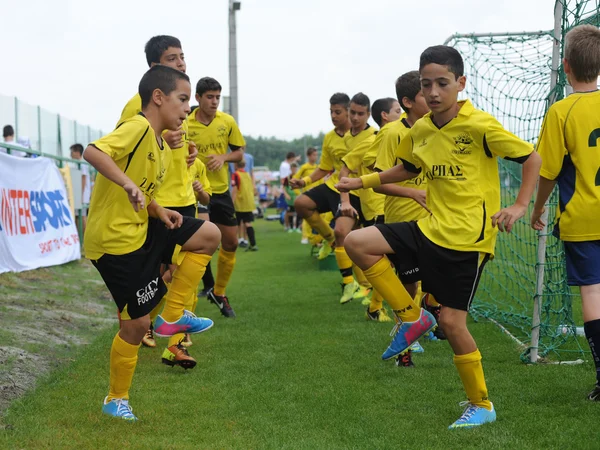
{"x": 583, "y": 263}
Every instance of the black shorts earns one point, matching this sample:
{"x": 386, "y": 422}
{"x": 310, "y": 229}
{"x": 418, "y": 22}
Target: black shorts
{"x": 185, "y": 211}
{"x": 202, "y": 209}
{"x": 291, "y": 209}
{"x": 134, "y": 279}
{"x": 246, "y": 217}
{"x": 376, "y": 220}
{"x": 450, "y": 276}
{"x": 327, "y": 200}
{"x": 221, "y": 210}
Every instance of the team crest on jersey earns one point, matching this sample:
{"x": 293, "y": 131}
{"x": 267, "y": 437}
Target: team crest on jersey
{"x": 151, "y": 157}
{"x": 222, "y": 130}
{"x": 423, "y": 144}
{"x": 462, "y": 141}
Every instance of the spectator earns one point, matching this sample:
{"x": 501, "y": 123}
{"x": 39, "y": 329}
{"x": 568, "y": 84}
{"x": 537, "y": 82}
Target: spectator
{"x": 284, "y": 168}
{"x": 8, "y": 133}
{"x": 77, "y": 153}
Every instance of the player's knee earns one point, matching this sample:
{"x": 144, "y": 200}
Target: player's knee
{"x": 211, "y": 236}
{"x": 229, "y": 243}
{"x": 133, "y": 330}
{"x": 352, "y": 244}
{"x": 302, "y": 205}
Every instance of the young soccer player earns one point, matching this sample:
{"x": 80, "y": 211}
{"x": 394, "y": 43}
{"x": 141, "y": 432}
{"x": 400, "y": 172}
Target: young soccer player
{"x": 566, "y": 144}
{"x": 305, "y": 170}
{"x": 129, "y": 234}
{"x": 290, "y": 221}
{"x": 214, "y": 132}
{"x": 456, "y": 148}
{"x": 243, "y": 201}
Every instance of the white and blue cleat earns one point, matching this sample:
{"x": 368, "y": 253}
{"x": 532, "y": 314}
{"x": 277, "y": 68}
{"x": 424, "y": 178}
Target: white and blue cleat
{"x": 474, "y": 416}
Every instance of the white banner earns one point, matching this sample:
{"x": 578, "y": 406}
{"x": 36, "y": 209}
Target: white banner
{"x": 37, "y": 228}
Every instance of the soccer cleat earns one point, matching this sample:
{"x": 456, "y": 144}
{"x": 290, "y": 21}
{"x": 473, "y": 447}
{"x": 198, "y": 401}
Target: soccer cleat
{"x": 379, "y": 315}
{"x": 148, "y": 339}
{"x": 222, "y": 303}
{"x": 242, "y": 243}
{"x": 362, "y": 292}
{"x": 304, "y": 241}
{"x": 473, "y": 416}
{"x": 252, "y": 248}
{"x": 348, "y": 291}
{"x": 204, "y": 292}
{"x": 594, "y": 396}
{"x": 408, "y": 332}
{"x": 177, "y": 355}
{"x": 431, "y": 337}
{"x": 405, "y": 360}
{"x": 298, "y": 230}
{"x": 188, "y": 323}
{"x": 415, "y": 347}
{"x": 435, "y": 310}
{"x": 187, "y": 340}
{"x": 325, "y": 250}
{"x": 119, "y": 407}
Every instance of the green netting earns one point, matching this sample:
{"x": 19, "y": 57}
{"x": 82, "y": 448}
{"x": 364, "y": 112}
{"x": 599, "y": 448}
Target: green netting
{"x": 509, "y": 76}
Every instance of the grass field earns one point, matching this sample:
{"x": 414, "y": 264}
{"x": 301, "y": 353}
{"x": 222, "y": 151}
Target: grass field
{"x": 297, "y": 370}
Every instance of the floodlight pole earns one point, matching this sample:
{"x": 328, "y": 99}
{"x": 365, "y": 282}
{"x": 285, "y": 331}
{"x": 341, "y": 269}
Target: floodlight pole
{"x": 536, "y": 320}
{"x": 233, "y": 80}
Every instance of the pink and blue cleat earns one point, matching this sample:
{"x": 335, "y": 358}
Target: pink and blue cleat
{"x": 406, "y": 333}
{"x": 188, "y": 323}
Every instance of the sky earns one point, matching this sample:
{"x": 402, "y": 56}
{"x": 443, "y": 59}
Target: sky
{"x": 84, "y": 59}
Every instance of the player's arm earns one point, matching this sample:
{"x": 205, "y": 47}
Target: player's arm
{"x": 346, "y": 208}
{"x": 105, "y": 165}
{"x": 171, "y": 219}
{"x": 545, "y": 188}
{"x": 309, "y": 179}
{"x": 393, "y": 190}
{"x": 394, "y": 175}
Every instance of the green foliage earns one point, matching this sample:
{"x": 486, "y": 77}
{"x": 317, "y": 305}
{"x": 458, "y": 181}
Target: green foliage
{"x": 270, "y": 151}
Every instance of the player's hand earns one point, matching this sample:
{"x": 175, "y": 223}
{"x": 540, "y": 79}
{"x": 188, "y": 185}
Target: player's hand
{"x": 349, "y": 184}
{"x": 174, "y": 138}
{"x": 136, "y": 196}
{"x": 420, "y": 197}
{"x": 192, "y": 153}
{"x": 347, "y": 210}
{"x": 215, "y": 162}
{"x": 197, "y": 186}
{"x": 171, "y": 219}
{"x": 297, "y": 183}
{"x": 505, "y": 218}
{"x": 536, "y": 219}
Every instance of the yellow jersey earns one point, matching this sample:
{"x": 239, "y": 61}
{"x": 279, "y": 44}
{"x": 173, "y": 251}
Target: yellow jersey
{"x": 198, "y": 173}
{"x": 244, "y": 197}
{"x": 399, "y": 209}
{"x": 333, "y": 150}
{"x": 568, "y": 145}
{"x": 305, "y": 170}
{"x": 463, "y": 184}
{"x": 113, "y": 225}
{"x": 215, "y": 139}
{"x": 176, "y": 190}
{"x": 371, "y": 202}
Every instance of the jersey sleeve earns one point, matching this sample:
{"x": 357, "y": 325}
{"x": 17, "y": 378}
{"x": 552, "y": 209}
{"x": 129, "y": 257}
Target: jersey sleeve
{"x": 500, "y": 142}
{"x": 404, "y": 154}
{"x": 326, "y": 162}
{"x": 235, "y": 135}
{"x": 353, "y": 160}
{"x": 386, "y": 157}
{"x": 123, "y": 140}
{"x": 132, "y": 107}
{"x": 301, "y": 171}
{"x": 201, "y": 176}
{"x": 551, "y": 145}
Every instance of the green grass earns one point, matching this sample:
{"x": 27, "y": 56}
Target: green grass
{"x": 297, "y": 370}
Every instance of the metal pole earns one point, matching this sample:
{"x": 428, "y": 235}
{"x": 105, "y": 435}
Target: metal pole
{"x": 233, "y": 81}
{"x": 543, "y": 235}
{"x": 39, "y": 126}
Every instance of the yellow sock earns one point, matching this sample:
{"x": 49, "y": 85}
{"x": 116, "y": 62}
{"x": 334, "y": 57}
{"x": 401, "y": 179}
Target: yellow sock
{"x": 419, "y": 295}
{"x": 360, "y": 276}
{"x": 376, "y": 301}
{"x": 175, "y": 339}
{"x": 431, "y": 301}
{"x": 345, "y": 264}
{"x": 157, "y": 309}
{"x": 306, "y": 230}
{"x": 317, "y": 222}
{"x": 185, "y": 280}
{"x": 383, "y": 279}
{"x": 123, "y": 359}
{"x": 471, "y": 373}
{"x": 225, "y": 265}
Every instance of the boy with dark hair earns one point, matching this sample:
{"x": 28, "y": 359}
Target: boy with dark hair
{"x": 129, "y": 234}
{"x": 325, "y": 198}
{"x": 305, "y": 170}
{"x": 215, "y": 133}
{"x": 243, "y": 201}
{"x": 570, "y": 130}
{"x": 456, "y": 147}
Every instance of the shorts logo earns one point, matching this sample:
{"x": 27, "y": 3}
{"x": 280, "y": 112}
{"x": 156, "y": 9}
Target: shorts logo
{"x": 462, "y": 141}
{"x": 411, "y": 271}
{"x": 147, "y": 293}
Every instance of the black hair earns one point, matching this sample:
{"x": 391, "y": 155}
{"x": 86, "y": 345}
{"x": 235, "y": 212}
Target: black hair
{"x": 7, "y": 131}
{"x": 380, "y": 106}
{"x": 159, "y": 77}
{"x": 362, "y": 100}
{"x": 444, "y": 56}
{"x": 341, "y": 99}
{"x": 207, "y": 84}
{"x": 310, "y": 151}
{"x": 408, "y": 85}
{"x": 157, "y": 45}
{"x": 78, "y": 148}
{"x": 290, "y": 155}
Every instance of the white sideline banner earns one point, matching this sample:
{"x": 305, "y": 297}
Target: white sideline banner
{"x": 37, "y": 228}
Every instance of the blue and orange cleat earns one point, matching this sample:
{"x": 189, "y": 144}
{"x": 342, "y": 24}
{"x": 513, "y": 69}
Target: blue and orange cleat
{"x": 188, "y": 323}
{"x": 474, "y": 416}
{"x": 408, "y": 332}
{"x": 118, "y": 407}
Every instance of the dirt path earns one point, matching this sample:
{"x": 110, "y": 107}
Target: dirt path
{"x": 44, "y": 314}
